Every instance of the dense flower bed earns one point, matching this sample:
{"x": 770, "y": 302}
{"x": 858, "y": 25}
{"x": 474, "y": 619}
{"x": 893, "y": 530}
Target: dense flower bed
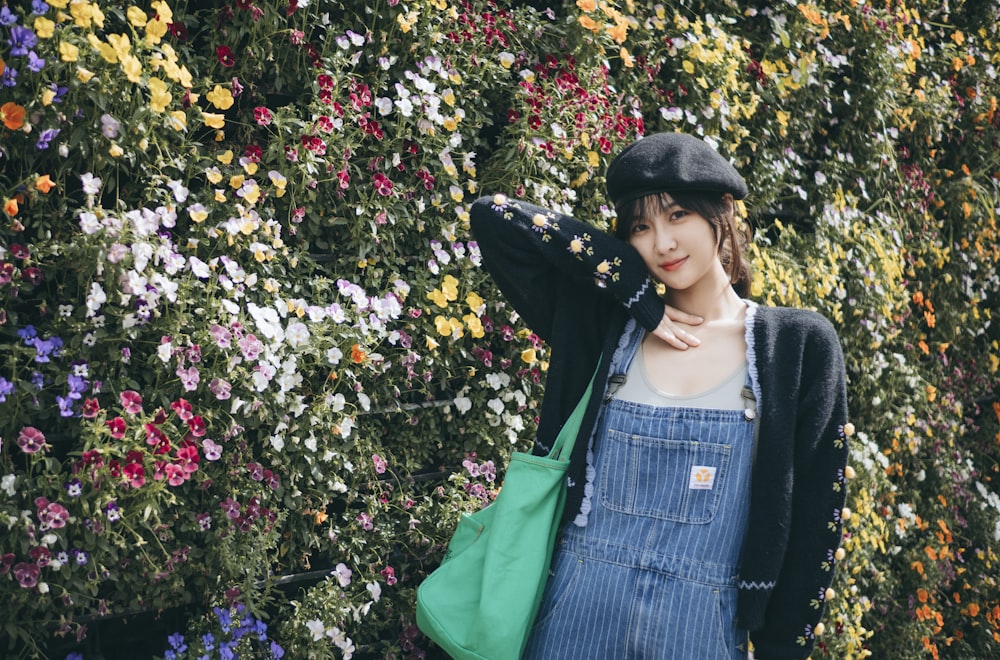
{"x": 246, "y": 334}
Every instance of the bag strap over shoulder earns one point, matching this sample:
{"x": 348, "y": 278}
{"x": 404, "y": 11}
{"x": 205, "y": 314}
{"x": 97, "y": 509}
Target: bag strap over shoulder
{"x": 563, "y": 446}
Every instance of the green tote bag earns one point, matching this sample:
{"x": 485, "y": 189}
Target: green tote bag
{"x": 481, "y": 602}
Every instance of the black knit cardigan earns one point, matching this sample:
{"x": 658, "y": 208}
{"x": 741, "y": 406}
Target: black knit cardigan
{"x": 575, "y": 287}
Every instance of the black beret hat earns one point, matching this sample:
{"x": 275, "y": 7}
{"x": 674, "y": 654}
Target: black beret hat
{"x": 671, "y": 161}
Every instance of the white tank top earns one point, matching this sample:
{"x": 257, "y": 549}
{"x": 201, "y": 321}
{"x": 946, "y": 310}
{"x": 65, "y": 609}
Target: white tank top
{"x": 727, "y": 395}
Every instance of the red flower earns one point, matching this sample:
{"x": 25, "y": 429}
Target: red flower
{"x": 19, "y": 251}
{"x": 183, "y": 409}
{"x": 197, "y": 426}
{"x": 90, "y": 408}
{"x": 117, "y": 427}
{"x": 178, "y": 30}
{"x": 253, "y": 152}
{"x": 383, "y": 185}
{"x": 225, "y": 55}
{"x": 32, "y": 275}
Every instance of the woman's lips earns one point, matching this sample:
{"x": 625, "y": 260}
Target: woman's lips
{"x": 673, "y": 265}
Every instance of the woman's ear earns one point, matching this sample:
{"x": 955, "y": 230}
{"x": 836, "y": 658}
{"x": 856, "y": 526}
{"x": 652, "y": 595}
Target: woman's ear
{"x": 727, "y": 199}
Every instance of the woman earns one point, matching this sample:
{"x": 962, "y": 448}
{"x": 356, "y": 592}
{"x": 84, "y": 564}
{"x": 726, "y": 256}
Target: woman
{"x": 706, "y": 485}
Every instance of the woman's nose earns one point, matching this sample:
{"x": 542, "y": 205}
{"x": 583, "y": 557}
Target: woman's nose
{"x": 665, "y": 241}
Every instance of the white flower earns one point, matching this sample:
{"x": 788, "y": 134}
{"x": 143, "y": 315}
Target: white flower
{"x": 95, "y": 298}
{"x": 316, "y": 629}
{"x": 7, "y": 484}
{"x": 277, "y": 442}
{"x": 164, "y": 351}
{"x": 463, "y": 403}
{"x": 89, "y": 224}
{"x": 334, "y": 355}
{"x": 297, "y": 334}
{"x": 199, "y": 267}
{"x": 180, "y": 192}
{"x": 91, "y": 183}
{"x": 376, "y": 590}
{"x": 343, "y": 574}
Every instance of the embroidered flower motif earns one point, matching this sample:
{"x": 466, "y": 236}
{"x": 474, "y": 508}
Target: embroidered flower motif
{"x": 605, "y": 271}
{"x": 499, "y": 202}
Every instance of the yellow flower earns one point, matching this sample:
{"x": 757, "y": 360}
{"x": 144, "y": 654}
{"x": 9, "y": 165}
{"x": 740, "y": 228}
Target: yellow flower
{"x": 220, "y": 97}
{"x": 132, "y": 68}
{"x": 136, "y": 16}
{"x": 475, "y": 325}
{"x": 156, "y": 29}
{"x": 178, "y": 120}
{"x": 220, "y": 195}
{"x": 44, "y": 28}
{"x": 198, "y": 213}
{"x": 529, "y": 356}
{"x": 506, "y": 59}
{"x": 474, "y": 302}
{"x": 48, "y": 96}
{"x": 213, "y": 120}
{"x": 68, "y": 52}
{"x": 121, "y": 44}
{"x": 159, "y": 96}
{"x": 688, "y": 66}
{"x": 431, "y": 343}
{"x": 103, "y": 48}
{"x": 450, "y": 124}
{"x": 84, "y": 75}
{"x": 250, "y": 167}
{"x": 115, "y": 151}
{"x": 589, "y": 24}
{"x": 236, "y": 181}
{"x": 213, "y": 175}
{"x": 438, "y": 298}
{"x": 442, "y": 325}
{"x": 586, "y": 5}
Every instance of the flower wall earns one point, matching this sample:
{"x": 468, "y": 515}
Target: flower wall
{"x": 246, "y": 334}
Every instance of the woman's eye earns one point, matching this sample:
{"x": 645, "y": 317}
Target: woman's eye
{"x": 638, "y": 227}
{"x": 677, "y": 215}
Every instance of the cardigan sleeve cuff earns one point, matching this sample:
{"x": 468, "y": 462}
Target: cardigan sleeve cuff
{"x": 646, "y": 306}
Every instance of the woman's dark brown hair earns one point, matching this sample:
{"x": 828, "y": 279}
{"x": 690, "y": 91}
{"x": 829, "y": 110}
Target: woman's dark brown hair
{"x": 731, "y": 236}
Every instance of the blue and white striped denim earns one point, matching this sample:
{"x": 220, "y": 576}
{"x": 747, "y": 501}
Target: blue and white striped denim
{"x": 653, "y": 573}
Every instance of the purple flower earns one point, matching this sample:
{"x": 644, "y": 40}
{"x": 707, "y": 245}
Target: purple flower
{"x": 35, "y": 63}
{"x": 7, "y": 17}
{"x": 6, "y": 389}
{"x": 9, "y": 77}
{"x": 21, "y": 40}
{"x": 26, "y": 574}
{"x": 45, "y": 138}
{"x": 74, "y": 488}
{"x": 231, "y": 507}
{"x": 177, "y": 642}
{"x": 39, "y": 7}
{"x": 65, "y": 406}
{"x": 80, "y": 556}
{"x": 60, "y": 92}
{"x": 112, "y": 511}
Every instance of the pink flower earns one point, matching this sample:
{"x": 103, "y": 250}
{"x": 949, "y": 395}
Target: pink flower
{"x": 324, "y": 123}
{"x": 389, "y": 573}
{"x": 380, "y": 463}
{"x": 51, "y": 515}
{"x": 222, "y": 336}
{"x": 30, "y": 440}
{"x": 189, "y": 378}
{"x": 175, "y": 474}
{"x": 366, "y": 521}
{"x": 220, "y": 388}
{"x": 117, "y": 427}
{"x": 131, "y": 402}
{"x": 251, "y": 347}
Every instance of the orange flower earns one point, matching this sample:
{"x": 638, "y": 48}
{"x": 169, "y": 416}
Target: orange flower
{"x": 44, "y": 183}
{"x": 357, "y": 355}
{"x": 10, "y": 207}
{"x": 12, "y": 115}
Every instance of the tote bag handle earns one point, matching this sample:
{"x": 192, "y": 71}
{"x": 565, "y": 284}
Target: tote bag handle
{"x": 562, "y": 448}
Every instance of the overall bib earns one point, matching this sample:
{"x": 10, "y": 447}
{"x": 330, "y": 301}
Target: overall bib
{"x": 653, "y": 573}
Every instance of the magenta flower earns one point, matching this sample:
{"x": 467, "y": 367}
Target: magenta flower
{"x": 131, "y": 402}
{"x": 262, "y": 116}
{"x": 383, "y": 185}
{"x": 380, "y": 464}
{"x": 231, "y": 508}
{"x": 183, "y": 409}
{"x": 51, "y": 515}
{"x": 197, "y": 426}
{"x": 175, "y": 474}
{"x": 30, "y": 440}
{"x": 136, "y": 474}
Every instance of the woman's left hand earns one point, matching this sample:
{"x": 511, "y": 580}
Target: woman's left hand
{"x": 676, "y": 336}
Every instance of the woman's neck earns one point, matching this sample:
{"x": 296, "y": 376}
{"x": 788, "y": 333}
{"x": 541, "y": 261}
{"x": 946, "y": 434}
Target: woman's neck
{"x": 715, "y": 301}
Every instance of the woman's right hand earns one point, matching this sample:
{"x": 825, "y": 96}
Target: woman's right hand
{"x": 673, "y": 334}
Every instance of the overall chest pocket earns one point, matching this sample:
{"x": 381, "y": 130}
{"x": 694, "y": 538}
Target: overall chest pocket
{"x": 676, "y": 480}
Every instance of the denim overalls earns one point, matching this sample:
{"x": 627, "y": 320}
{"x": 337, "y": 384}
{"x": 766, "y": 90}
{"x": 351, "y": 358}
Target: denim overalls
{"x": 653, "y": 573}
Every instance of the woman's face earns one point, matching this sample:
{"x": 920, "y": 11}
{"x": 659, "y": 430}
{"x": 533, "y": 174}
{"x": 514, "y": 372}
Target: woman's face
{"x": 679, "y": 246}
